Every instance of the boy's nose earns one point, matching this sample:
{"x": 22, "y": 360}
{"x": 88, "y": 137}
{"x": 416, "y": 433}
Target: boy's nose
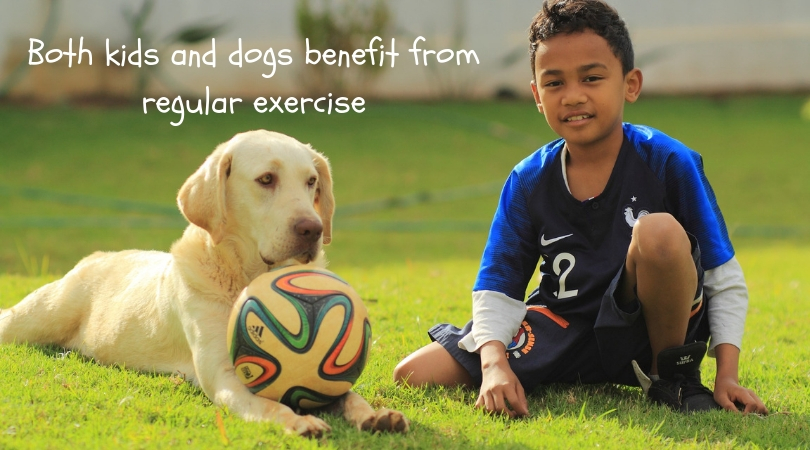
{"x": 574, "y": 96}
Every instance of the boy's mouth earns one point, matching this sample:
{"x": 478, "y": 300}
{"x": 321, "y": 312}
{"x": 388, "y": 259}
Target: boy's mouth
{"x": 577, "y": 117}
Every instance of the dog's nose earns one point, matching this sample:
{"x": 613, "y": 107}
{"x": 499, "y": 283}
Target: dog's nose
{"x": 309, "y": 229}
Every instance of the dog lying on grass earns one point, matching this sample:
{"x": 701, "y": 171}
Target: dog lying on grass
{"x": 259, "y": 201}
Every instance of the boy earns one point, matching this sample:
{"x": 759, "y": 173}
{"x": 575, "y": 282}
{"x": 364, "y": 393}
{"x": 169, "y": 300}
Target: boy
{"x": 625, "y": 223}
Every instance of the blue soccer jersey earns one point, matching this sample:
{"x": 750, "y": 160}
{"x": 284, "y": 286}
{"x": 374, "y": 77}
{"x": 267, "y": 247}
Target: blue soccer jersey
{"x": 583, "y": 244}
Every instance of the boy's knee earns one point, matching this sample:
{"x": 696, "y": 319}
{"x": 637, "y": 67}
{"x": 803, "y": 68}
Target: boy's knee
{"x": 431, "y": 365}
{"x": 400, "y": 373}
{"x": 407, "y": 372}
{"x": 659, "y": 238}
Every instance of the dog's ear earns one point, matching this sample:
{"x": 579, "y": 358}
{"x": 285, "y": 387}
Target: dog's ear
{"x": 324, "y": 198}
{"x": 202, "y": 197}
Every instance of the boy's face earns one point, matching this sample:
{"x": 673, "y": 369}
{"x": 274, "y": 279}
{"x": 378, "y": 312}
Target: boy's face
{"x": 580, "y": 88}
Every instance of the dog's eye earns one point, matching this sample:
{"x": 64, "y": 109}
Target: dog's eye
{"x": 266, "y": 179}
{"x": 312, "y": 181}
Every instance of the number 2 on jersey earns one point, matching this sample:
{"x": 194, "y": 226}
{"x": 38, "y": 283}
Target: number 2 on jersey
{"x": 563, "y": 293}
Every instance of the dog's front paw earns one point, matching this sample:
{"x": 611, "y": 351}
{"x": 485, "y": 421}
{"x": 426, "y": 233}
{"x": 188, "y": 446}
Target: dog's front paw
{"x": 308, "y": 426}
{"x": 387, "y": 420}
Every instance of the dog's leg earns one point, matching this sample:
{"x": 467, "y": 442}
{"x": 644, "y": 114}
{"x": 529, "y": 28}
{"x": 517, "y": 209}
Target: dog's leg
{"x": 54, "y": 313}
{"x": 358, "y": 412}
{"x": 232, "y": 393}
{"x": 217, "y": 378}
{"x": 49, "y": 315}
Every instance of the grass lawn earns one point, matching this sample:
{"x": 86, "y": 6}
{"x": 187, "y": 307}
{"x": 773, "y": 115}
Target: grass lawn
{"x": 106, "y": 180}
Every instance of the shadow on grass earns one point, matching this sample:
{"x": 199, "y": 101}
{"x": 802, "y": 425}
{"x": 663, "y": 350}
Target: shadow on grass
{"x": 555, "y": 407}
{"x": 176, "y": 379}
{"x": 629, "y": 406}
{"x": 445, "y": 418}
{"x": 156, "y": 384}
{"x": 421, "y": 435}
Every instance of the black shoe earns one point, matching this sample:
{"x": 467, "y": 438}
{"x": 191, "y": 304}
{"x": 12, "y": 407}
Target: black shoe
{"x": 679, "y": 386}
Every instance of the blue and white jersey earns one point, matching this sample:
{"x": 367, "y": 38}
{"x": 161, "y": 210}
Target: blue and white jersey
{"x": 584, "y": 244}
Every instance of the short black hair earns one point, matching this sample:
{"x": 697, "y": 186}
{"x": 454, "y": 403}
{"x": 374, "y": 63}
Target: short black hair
{"x": 572, "y": 16}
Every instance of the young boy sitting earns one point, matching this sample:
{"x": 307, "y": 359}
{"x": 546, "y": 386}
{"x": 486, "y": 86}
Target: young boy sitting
{"x": 637, "y": 268}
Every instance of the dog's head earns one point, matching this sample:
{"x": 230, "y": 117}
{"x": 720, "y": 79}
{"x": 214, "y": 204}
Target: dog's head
{"x": 266, "y": 189}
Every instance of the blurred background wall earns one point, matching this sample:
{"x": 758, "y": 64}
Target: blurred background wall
{"x": 683, "y": 46}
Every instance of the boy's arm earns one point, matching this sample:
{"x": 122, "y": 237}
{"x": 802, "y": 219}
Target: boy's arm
{"x": 508, "y": 263}
{"x": 728, "y": 303}
{"x": 496, "y": 317}
{"x": 501, "y": 391}
{"x": 725, "y": 286}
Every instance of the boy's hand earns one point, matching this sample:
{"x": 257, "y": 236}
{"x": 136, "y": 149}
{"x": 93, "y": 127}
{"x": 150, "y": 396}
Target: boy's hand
{"x": 501, "y": 391}
{"x": 728, "y": 394}
{"x": 727, "y": 390}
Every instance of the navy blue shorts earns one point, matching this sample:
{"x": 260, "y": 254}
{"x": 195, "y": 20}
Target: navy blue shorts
{"x": 550, "y": 349}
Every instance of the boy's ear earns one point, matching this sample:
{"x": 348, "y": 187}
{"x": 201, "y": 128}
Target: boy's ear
{"x": 632, "y": 85}
{"x": 536, "y": 96}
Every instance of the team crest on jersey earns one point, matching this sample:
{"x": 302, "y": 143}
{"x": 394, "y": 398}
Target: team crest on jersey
{"x": 522, "y": 342}
{"x": 630, "y": 216}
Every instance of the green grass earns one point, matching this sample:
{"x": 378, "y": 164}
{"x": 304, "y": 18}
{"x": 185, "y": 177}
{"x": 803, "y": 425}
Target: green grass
{"x": 755, "y": 156}
{"x": 754, "y": 151}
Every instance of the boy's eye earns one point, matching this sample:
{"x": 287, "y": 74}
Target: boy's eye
{"x": 592, "y": 78}
{"x": 553, "y": 84}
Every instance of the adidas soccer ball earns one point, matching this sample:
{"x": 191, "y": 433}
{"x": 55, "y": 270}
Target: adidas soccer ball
{"x": 299, "y": 335}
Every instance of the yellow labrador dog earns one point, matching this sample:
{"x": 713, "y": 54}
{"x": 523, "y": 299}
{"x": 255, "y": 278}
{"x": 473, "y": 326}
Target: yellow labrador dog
{"x": 259, "y": 201}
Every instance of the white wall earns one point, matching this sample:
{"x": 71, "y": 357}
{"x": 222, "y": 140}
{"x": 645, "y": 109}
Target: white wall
{"x": 682, "y": 46}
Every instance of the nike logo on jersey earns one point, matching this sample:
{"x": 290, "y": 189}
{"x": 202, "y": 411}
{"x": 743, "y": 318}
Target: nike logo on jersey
{"x": 545, "y": 242}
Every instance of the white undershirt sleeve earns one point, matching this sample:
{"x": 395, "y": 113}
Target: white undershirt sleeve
{"x": 496, "y": 317}
{"x": 728, "y": 304}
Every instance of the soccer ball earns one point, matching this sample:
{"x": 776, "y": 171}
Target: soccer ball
{"x": 299, "y": 335}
